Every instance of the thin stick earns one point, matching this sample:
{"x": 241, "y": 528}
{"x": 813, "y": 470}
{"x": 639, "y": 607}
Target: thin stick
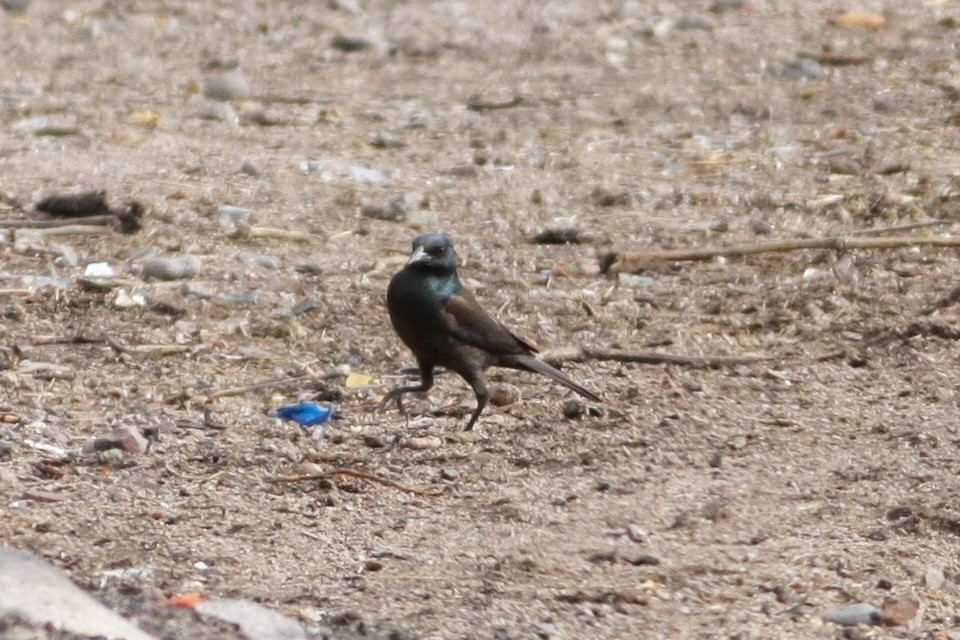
{"x": 635, "y": 262}
{"x": 274, "y": 234}
{"x": 76, "y": 339}
{"x": 344, "y": 471}
{"x": 47, "y": 223}
{"x": 282, "y": 234}
{"x": 903, "y": 227}
{"x": 584, "y": 354}
{"x": 147, "y": 349}
{"x": 259, "y": 386}
{"x": 76, "y": 229}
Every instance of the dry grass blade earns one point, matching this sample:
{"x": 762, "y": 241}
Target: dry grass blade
{"x": 638, "y": 261}
{"x": 584, "y": 354}
{"x": 147, "y": 349}
{"x": 104, "y": 220}
{"x": 258, "y": 386}
{"x": 355, "y": 473}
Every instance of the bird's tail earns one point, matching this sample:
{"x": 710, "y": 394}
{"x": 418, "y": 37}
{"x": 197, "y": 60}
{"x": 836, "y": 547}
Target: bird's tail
{"x": 530, "y": 363}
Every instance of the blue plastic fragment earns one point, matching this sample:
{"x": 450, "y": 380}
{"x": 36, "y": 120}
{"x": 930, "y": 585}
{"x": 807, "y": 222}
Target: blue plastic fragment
{"x": 306, "y": 414}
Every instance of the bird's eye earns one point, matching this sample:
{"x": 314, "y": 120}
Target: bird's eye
{"x": 435, "y": 251}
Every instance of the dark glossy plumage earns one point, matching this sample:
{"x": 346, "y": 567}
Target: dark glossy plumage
{"x": 443, "y": 325}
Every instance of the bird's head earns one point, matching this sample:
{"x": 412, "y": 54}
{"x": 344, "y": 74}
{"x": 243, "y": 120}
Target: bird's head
{"x": 433, "y": 252}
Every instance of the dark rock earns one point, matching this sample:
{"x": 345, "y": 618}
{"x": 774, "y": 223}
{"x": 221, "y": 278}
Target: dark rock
{"x": 350, "y": 44}
{"x": 573, "y": 408}
{"x": 561, "y": 235}
{"x": 89, "y": 203}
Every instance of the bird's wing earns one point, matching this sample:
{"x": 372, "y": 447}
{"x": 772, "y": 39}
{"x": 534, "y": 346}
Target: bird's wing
{"x": 468, "y": 321}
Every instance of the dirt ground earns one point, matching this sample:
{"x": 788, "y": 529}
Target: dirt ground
{"x": 740, "y": 501}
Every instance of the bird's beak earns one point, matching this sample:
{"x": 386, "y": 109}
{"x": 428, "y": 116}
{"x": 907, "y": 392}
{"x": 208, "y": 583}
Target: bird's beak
{"x": 419, "y": 255}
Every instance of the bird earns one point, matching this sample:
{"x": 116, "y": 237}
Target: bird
{"x": 442, "y": 323}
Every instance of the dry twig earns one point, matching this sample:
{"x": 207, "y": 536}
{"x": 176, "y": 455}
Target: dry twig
{"x": 355, "y": 473}
{"x": 583, "y": 354}
{"x": 636, "y": 262}
{"x": 244, "y": 231}
{"x": 147, "y": 349}
{"x": 259, "y": 386}
{"x": 46, "y": 223}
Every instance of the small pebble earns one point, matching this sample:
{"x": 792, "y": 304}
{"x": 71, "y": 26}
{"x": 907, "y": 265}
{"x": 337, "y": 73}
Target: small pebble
{"x": 561, "y": 235}
{"x": 853, "y": 614}
{"x": 383, "y": 141}
{"x": 350, "y": 44}
{"x": 45, "y": 126}
{"x": 124, "y": 438}
{"x": 393, "y": 211}
{"x": 226, "y": 85}
{"x": 545, "y": 630}
{"x": 178, "y": 268}
{"x": 451, "y": 475}
{"x": 250, "y": 168}
{"x": 636, "y": 534}
{"x": 424, "y": 443}
{"x": 347, "y": 6}
{"x": 802, "y": 69}
{"x": 309, "y": 469}
{"x": 573, "y": 408}
{"x": 99, "y": 270}
{"x": 464, "y": 171}
{"x": 305, "y": 306}
{"x": 373, "y": 442}
{"x": 15, "y": 6}
{"x": 695, "y": 21}
{"x": 643, "y": 560}
{"x": 258, "y": 113}
{"x": 502, "y": 395}
{"x": 423, "y": 220}
{"x": 899, "y": 611}
{"x": 633, "y": 281}
{"x": 261, "y": 260}
{"x": 933, "y": 578}
{"x": 238, "y": 298}
{"x": 127, "y": 300}
{"x": 368, "y": 176}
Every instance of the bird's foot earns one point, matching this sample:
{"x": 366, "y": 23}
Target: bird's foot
{"x": 392, "y": 396}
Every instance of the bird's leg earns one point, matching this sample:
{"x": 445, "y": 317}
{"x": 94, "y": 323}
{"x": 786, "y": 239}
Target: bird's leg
{"x": 394, "y": 395}
{"x": 476, "y": 379}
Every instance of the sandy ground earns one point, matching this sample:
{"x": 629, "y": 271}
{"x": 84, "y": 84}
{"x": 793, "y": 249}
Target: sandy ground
{"x": 737, "y": 501}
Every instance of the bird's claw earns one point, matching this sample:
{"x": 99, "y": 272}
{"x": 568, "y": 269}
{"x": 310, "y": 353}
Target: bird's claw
{"x": 392, "y": 396}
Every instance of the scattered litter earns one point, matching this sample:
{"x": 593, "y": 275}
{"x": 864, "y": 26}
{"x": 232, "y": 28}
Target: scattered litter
{"x": 306, "y": 414}
{"x": 357, "y": 380}
{"x": 99, "y": 270}
{"x": 128, "y": 300}
{"x": 57, "y": 452}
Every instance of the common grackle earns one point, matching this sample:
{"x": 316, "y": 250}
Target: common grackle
{"x": 442, "y": 323}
